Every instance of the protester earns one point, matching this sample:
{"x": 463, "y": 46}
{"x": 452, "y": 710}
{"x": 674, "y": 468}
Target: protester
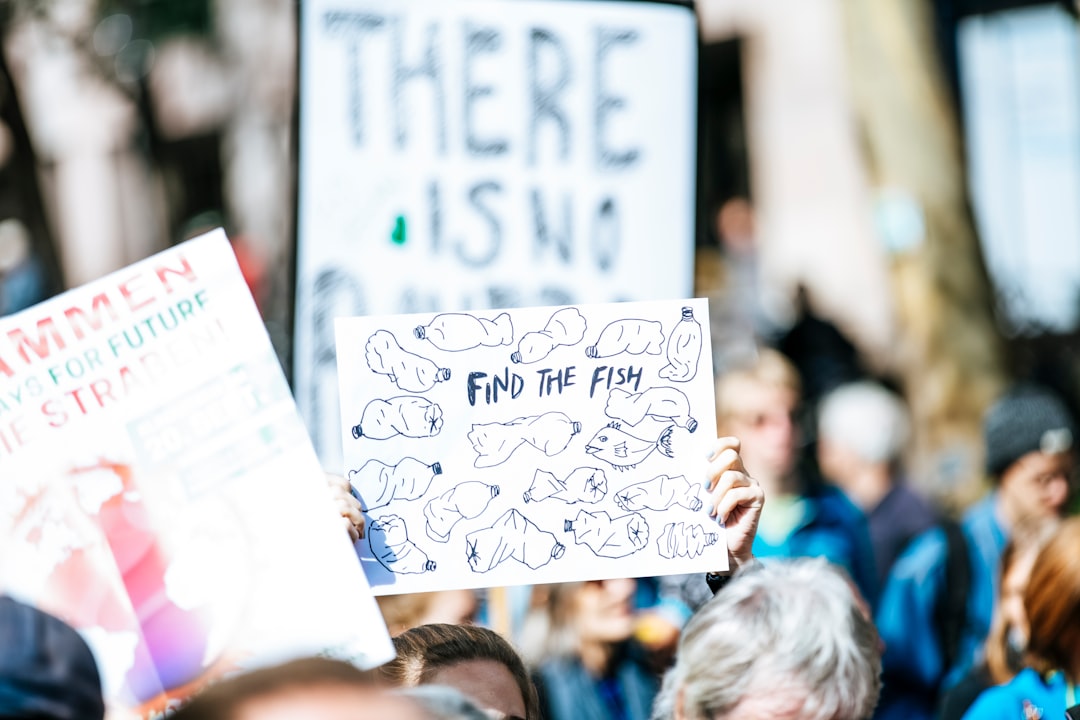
{"x": 862, "y": 432}
{"x": 315, "y": 688}
{"x": 1002, "y": 656}
{"x": 47, "y": 670}
{"x": 475, "y": 660}
{"x": 1047, "y": 686}
{"x": 442, "y": 702}
{"x": 410, "y": 610}
{"x": 578, "y": 637}
{"x": 1028, "y": 436}
{"x": 787, "y": 639}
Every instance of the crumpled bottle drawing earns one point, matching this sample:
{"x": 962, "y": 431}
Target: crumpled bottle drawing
{"x": 511, "y": 536}
{"x": 634, "y": 336}
{"x": 461, "y": 502}
{"x": 494, "y": 443}
{"x": 380, "y": 484}
{"x": 455, "y": 332}
{"x": 411, "y": 373}
{"x": 584, "y": 485}
{"x": 565, "y": 327}
{"x": 683, "y": 540}
{"x": 407, "y": 415}
{"x": 660, "y": 493}
{"x": 659, "y": 403}
{"x": 391, "y": 546}
{"x": 609, "y": 537}
{"x": 683, "y": 349}
{"x": 622, "y": 450}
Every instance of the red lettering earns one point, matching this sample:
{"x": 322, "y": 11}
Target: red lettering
{"x": 6, "y": 369}
{"x": 55, "y": 412}
{"x": 80, "y": 319}
{"x": 102, "y": 390}
{"x": 46, "y": 329}
{"x": 128, "y": 288}
{"x": 183, "y": 271}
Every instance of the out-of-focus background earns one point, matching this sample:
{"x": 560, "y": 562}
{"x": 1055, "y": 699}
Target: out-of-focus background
{"x": 887, "y": 188}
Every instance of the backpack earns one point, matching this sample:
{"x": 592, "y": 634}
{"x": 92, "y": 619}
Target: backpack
{"x": 950, "y": 612}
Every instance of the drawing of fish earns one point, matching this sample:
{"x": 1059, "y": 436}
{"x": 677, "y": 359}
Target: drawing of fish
{"x": 622, "y": 450}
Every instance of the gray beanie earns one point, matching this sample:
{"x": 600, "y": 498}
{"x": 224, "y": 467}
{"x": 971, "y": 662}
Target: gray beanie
{"x": 1025, "y": 419}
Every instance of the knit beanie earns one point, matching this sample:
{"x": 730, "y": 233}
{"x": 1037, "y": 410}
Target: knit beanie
{"x": 1025, "y": 419}
{"x": 46, "y": 668}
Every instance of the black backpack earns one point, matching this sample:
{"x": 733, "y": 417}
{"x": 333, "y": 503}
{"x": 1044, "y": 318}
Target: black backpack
{"x": 950, "y": 613}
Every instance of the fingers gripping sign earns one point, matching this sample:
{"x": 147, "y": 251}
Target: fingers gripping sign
{"x": 347, "y": 504}
{"x": 737, "y": 499}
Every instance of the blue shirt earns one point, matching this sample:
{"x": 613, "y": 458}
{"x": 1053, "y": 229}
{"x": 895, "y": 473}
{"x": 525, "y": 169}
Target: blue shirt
{"x": 1028, "y": 690}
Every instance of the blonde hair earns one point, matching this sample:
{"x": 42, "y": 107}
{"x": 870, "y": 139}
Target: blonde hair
{"x": 770, "y": 368}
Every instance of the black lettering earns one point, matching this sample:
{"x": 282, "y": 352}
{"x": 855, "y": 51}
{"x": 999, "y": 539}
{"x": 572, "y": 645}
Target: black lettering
{"x": 608, "y": 158}
{"x": 545, "y": 236}
{"x": 353, "y": 25}
{"x": 477, "y": 41}
{"x": 472, "y": 386}
{"x": 633, "y": 376}
{"x": 545, "y": 96}
{"x": 604, "y": 238}
{"x": 597, "y": 378}
{"x": 429, "y": 68}
{"x": 334, "y": 293}
{"x": 476, "y": 200}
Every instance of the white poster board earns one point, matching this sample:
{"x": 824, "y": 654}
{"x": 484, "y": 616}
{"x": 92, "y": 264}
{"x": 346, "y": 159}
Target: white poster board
{"x": 158, "y": 490}
{"x": 530, "y": 446}
{"x": 470, "y": 154}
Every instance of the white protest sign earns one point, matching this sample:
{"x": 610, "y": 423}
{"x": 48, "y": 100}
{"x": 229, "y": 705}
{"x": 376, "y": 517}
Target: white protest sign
{"x": 532, "y": 445}
{"x": 158, "y": 490}
{"x": 478, "y": 154}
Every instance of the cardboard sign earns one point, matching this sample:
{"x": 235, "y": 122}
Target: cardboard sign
{"x": 537, "y": 445}
{"x": 157, "y": 487}
{"x": 481, "y": 154}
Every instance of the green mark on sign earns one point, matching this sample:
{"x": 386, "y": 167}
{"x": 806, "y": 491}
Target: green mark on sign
{"x": 398, "y": 235}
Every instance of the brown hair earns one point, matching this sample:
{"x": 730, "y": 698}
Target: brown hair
{"x": 1052, "y": 601}
{"x": 1026, "y": 541}
{"x": 423, "y": 651}
{"x": 223, "y": 700}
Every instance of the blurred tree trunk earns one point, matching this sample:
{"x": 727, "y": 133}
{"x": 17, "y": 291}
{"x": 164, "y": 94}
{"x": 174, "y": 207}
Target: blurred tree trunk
{"x": 950, "y": 355}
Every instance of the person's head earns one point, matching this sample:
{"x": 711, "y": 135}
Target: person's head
{"x": 402, "y": 612}
{"x": 569, "y": 618}
{"x": 475, "y": 660}
{"x": 443, "y": 702}
{"x": 757, "y": 404}
{"x": 860, "y": 425}
{"x": 1052, "y": 603}
{"x": 1030, "y": 441}
{"x": 1009, "y": 627}
{"x": 304, "y": 688}
{"x": 47, "y": 670}
{"x": 785, "y": 639}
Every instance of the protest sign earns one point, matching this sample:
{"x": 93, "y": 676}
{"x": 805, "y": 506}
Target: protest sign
{"x": 157, "y": 487}
{"x": 482, "y": 154}
{"x": 535, "y": 445}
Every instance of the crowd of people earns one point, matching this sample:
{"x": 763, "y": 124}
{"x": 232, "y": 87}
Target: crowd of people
{"x": 849, "y": 596}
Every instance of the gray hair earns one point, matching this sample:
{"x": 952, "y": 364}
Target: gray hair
{"x": 787, "y": 631}
{"x": 867, "y": 419}
{"x": 441, "y": 702}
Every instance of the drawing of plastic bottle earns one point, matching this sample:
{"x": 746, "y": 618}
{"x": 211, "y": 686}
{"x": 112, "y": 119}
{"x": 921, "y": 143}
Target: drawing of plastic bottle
{"x": 681, "y": 540}
{"x": 407, "y": 480}
{"x": 661, "y": 403}
{"x": 608, "y": 537}
{"x": 494, "y": 443}
{"x": 455, "y": 332}
{"x": 461, "y": 502}
{"x": 511, "y": 536}
{"x": 633, "y": 336}
{"x": 409, "y": 372}
{"x": 585, "y": 484}
{"x": 407, "y": 415}
{"x": 564, "y": 327}
{"x": 391, "y": 546}
{"x": 683, "y": 349}
{"x": 660, "y": 493}
{"x": 173, "y": 638}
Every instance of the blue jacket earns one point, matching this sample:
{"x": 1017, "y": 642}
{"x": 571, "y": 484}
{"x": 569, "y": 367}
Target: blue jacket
{"x": 1011, "y": 701}
{"x": 834, "y": 528}
{"x": 913, "y": 664}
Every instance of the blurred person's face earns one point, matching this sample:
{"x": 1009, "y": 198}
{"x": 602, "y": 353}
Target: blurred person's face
{"x": 489, "y": 684}
{"x": 1038, "y": 485}
{"x": 604, "y": 610}
{"x": 763, "y": 418}
{"x": 455, "y": 607}
{"x": 329, "y": 702}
